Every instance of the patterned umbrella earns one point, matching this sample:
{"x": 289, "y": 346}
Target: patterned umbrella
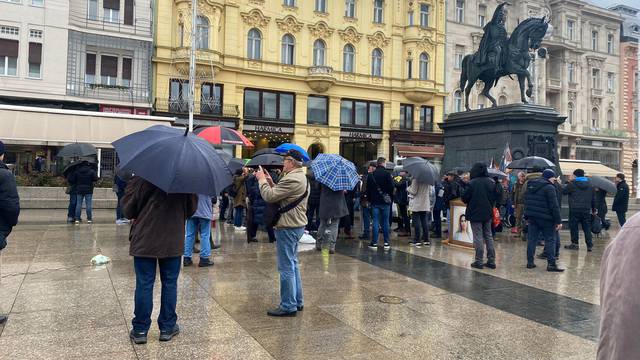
{"x": 335, "y": 172}
{"x": 218, "y": 135}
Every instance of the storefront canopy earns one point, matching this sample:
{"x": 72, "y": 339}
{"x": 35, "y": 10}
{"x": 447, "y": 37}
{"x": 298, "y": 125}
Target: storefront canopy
{"x": 590, "y": 168}
{"x": 427, "y": 152}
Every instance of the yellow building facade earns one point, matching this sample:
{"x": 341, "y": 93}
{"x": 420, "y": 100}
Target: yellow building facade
{"x": 362, "y": 78}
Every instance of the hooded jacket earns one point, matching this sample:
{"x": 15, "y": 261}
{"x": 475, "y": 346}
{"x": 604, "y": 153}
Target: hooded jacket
{"x": 480, "y": 195}
{"x": 83, "y": 179}
{"x": 621, "y": 200}
{"x": 541, "y": 201}
{"x": 581, "y": 194}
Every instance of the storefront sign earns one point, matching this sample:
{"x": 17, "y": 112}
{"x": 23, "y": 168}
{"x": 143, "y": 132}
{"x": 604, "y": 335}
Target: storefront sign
{"x": 268, "y": 129}
{"x": 353, "y": 134}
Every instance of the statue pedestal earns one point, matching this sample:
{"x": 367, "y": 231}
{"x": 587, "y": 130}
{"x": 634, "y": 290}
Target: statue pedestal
{"x": 480, "y": 135}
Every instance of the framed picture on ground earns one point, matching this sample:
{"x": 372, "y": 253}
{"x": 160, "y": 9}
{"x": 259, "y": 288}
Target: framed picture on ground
{"x": 460, "y": 229}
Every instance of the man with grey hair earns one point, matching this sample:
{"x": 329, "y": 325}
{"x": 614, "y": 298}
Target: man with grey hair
{"x": 9, "y": 205}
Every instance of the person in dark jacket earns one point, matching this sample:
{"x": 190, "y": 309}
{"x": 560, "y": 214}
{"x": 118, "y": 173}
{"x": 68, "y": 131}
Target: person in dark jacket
{"x": 333, "y": 208}
{"x": 480, "y": 197}
{"x": 379, "y": 193}
{"x": 256, "y": 209}
{"x": 542, "y": 211}
{"x": 365, "y": 205}
{"x": 581, "y": 206}
{"x": 119, "y": 186}
{"x": 346, "y": 222}
{"x": 73, "y": 198}
{"x": 601, "y": 205}
{"x": 83, "y": 179}
{"x": 621, "y": 200}
{"x": 453, "y": 188}
{"x": 438, "y": 208}
{"x": 9, "y": 205}
{"x": 156, "y": 239}
{"x": 401, "y": 198}
{"x": 313, "y": 206}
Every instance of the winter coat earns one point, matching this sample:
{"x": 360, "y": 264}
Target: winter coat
{"x": 384, "y": 182}
{"x": 289, "y": 188}
{"x": 453, "y": 190}
{"x": 9, "y": 200}
{"x": 333, "y": 204}
{"x": 241, "y": 191}
{"x": 581, "y": 194}
{"x": 314, "y": 192}
{"x": 159, "y": 219}
{"x": 364, "y": 199}
{"x": 601, "y": 202}
{"x": 83, "y": 179}
{"x": 257, "y": 204}
{"x": 420, "y": 196}
{"x": 621, "y": 200}
{"x": 558, "y": 193}
{"x": 481, "y": 195}
{"x": 620, "y": 295}
{"x": 541, "y": 201}
{"x": 518, "y": 193}
{"x": 400, "y": 196}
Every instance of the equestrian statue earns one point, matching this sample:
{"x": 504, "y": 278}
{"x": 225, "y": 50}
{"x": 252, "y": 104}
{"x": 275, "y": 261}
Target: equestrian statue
{"x": 499, "y": 55}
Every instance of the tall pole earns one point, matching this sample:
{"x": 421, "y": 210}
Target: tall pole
{"x": 192, "y": 63}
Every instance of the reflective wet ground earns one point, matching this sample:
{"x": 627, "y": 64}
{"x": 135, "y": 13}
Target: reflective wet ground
{"x": 406, "y": 303}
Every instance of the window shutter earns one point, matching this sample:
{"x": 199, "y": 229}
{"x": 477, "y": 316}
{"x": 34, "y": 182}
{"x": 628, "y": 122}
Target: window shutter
{"x": 111, "y": 4}
{"x": 35, "y": 53}
{"x": 9, "y": 48}
{"x": 109, "y": 66}
{"x": 128, "y": 12}
{"x": 91, "y": 64}
{"x": 126, "y": 68}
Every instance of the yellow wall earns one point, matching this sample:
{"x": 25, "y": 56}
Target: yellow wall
{"x": 230, "y": 22}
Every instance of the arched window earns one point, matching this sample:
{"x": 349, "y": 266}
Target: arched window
{"x": 424, "y": 66}
{"x": 202, "y": 33}
{"x": 348, "y": 58}
{"x": 376, "y": 62}
{"x": 570, "y": 114}
{"x": 610, "y": 119}
{"x": 457, "y": 101}
{"x": 288, "y": 48}
{"x": 594, "y": 118}
{"x": 319, "y": 50}
{"x": 502, "y": 100}
{"x": 254, "y": 44}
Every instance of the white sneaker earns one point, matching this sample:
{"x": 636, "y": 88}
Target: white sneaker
{"x": 240, "y": 228}
{"x": 120, "y": 222}
{"x": 77, "y": 222}
{"x": 89, "y": 222}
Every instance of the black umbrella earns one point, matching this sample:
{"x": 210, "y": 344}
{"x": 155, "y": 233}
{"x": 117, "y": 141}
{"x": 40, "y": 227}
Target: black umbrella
{"x": 233, "y": 163}
{"x": 174, "y": 161}
{"x": 73, "y": 164}
{"x": 265, "y": 151}
{"x": 265, "y": 160}
{"x": 77, "y": 150}
{"x": 496, "y": 173}
{"x": 604, "y": 184}
{"x": 421, "y": 170}
{"x": 531, "y": 162}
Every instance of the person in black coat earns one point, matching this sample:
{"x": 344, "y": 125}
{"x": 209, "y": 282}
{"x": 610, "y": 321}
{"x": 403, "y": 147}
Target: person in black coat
{"x": 9, "y": 205}
{"x": 621, "y": 200}
{"x": 379, "y": 193}
{"x": 313, "y": 203}
{"x": 401, "y": 198}
{"x": 542, "y": 211}
{"x": 480, "y": 196}
{"x": 601, "y": 205}
{"x": 346, "y": 222}
{"x": 83, "y": 179}
{"x": 438, "y": 208}
{"x": 582, "y": 205}
{"x": 255, "y": 210}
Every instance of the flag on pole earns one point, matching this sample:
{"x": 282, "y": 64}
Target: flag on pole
{"x": 506, "y": 158}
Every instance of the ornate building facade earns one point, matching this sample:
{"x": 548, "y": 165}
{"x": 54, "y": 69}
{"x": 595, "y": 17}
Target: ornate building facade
{"x": 579, "y": 77}
{"x": 362, "y": 78}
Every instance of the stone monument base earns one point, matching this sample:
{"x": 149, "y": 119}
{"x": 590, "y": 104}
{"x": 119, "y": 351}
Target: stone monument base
{"x": 481, "y": 135}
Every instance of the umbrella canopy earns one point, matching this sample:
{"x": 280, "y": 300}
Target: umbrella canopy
{"x": 77, "y": 150}
{"x": 531, "y": 162}
{"x": 265, "y": 160}
{"x": 604, "y": 184}
{"x": 421, "y": 170}
{"x": 73, "y": 164}
{"x": 233, "y": 163}
{"x": 288, "y": 146}
{"x": 174, "y": 161}
{"x": 265, "y": 151}
{"x": 335, "y": 172}
{"x": 496, "y": 173}
{"x": 219, "y": 135}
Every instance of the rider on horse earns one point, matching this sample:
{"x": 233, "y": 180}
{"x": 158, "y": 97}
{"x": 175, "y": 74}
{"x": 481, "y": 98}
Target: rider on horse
{"x": 494, "y": 42}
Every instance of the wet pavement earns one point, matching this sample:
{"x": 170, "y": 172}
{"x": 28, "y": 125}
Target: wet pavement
{"x": 407, "y": 303}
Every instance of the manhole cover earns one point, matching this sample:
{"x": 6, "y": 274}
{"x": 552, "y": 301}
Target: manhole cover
{"x": 390, "y": 299}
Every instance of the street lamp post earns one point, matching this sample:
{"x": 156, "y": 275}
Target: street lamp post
{"x": 192, "y": 63}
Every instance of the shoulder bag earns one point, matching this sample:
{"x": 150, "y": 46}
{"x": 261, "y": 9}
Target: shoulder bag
{"x": 273, "y": 211}
{"x": 385, "y": 197}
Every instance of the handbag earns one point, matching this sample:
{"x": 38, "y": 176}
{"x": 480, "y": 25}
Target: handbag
{"x": 273, "y": 211}
{"x": 385, "y": 197}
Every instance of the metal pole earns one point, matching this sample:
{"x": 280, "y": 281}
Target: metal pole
{"x": 192, "y": 62}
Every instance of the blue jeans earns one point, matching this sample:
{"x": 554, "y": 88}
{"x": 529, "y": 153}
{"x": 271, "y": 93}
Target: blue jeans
{"x": 87, "y": 199}
{"x": 203, "y": 226}
{"x": 287, "y": 255}
{"x": 238, "y": 211}
{"x": 145, "y": 277}
{"x": 366, "y": 221}
{"x": 71, "y": 210}
{"x": 380, "y": 212}
{"x": 547, "y": 231}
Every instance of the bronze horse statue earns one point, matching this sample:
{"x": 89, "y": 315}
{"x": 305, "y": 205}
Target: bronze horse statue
{"x": 515, "y": 60}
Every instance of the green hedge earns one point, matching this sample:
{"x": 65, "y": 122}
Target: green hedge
{"x": 48, "y": 179}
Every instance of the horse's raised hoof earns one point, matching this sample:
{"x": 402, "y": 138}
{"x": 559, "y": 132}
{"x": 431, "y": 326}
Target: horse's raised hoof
{"x": 529, "y": 92}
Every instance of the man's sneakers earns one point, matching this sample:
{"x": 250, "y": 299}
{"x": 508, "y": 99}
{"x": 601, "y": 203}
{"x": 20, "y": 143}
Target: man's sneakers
{"x": 590, "y": 249}
{"x": 387, "y": 246}
{"x": 138, "y": 337}
{"x": 186, "y": 261}
{"x": 373, "y": 246}
{"x": 205, "y": 262}
{"x": 572, "y": 247}
{"x": 281, "y": 313}
{"x": 531, "y": 266}
{"x": 490, "y": 265}
{"x": 167, "y": 335}
{"x": 477, "y": 265}
{"x": 554, "y": 268}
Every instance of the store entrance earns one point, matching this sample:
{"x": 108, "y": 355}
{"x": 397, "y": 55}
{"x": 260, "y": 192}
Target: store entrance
{"x": 262, "y": 141}
{"x": 359, "y": 152}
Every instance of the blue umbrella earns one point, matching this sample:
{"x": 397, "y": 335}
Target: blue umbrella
{"x": 174, "y": 161}
{"x": 288, "y": 146}
{"x": 335, "y": 172}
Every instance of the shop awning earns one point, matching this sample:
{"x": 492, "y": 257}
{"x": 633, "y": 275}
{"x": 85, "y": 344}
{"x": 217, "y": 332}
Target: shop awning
{"x": 420, "y": 151}
{"x": 589, "y": 167}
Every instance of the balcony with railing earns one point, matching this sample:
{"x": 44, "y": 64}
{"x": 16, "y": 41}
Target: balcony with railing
{"x": 207, "y": 107}
{"x": 133, "y": 93}
{"x": 614, "y": 133}
{"x": 320, "y": 78}
{"x": 81, "y": 18}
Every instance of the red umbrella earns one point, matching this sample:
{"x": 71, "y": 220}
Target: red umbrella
{"x": 218, "y": 135}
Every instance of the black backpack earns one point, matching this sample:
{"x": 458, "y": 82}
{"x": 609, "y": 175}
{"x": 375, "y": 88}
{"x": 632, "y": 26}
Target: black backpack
{"x": 596, "y": 224}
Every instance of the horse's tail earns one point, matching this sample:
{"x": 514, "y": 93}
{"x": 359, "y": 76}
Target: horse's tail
{"x": 463, "y": 73}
